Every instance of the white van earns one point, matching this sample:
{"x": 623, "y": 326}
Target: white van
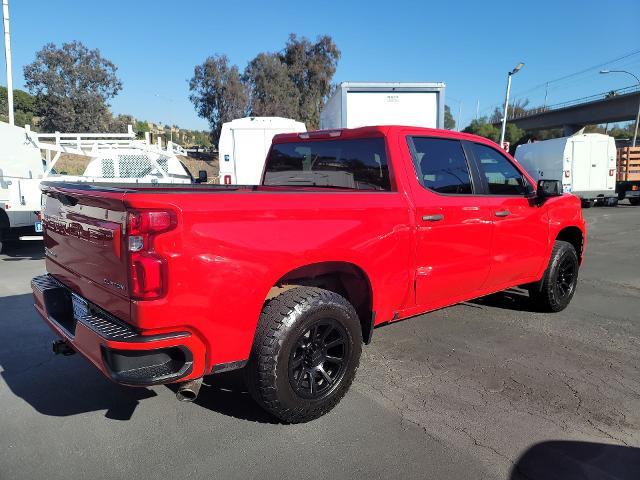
{"x": 584, "y": 162}
{"x": 244, "y": 144}
{"x": 20, "y": 165}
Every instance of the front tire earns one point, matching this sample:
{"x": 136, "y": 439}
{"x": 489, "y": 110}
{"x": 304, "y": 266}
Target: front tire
{"x": 305, "y": 354}
{"x": 556, "y": 289}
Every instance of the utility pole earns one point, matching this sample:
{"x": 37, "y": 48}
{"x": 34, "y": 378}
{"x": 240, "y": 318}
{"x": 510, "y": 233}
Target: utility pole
{"x": 7, "y": 56}
{"x": 477, "y": 109}
{"x": 459, "y": 114}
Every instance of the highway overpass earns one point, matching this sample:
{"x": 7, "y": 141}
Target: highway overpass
{"x": 616, "y": 106}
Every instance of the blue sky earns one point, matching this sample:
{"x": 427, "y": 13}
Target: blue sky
{"x": 468, "y": 45}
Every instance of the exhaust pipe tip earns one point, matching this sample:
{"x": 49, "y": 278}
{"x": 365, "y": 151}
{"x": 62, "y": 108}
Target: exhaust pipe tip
{"x": 60, "y": 347}
{"x": 188, "y": 391}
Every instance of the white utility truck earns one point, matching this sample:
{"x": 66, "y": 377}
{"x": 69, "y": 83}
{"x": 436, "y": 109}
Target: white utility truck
{"x": 358, "y": 104}
{"x": 104, "y": 157}
{"x": 585, "y": 162}
{"x": 244, "y": 144}
{"x": 20, "y": 166}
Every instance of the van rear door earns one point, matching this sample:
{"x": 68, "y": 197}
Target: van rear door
{"x": 580, "y": 166}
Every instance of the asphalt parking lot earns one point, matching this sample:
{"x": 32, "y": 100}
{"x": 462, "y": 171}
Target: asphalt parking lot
{"x": 486, "y": 389}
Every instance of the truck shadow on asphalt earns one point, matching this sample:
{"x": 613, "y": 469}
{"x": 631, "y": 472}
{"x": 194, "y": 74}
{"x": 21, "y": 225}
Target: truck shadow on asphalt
{"x": 512, "y": 299}
{"x": 55, "y": 385}
{"x": 226, "y": 393}
{"x": 14, "y": 251}
{"x": 571, "y": 460}
{"x": 64, "y": 386}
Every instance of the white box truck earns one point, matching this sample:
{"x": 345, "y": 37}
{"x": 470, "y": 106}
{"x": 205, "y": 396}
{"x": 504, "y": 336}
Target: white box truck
{"x": 244, "y": 144}
{"x": 584, "y": 162}
{"x": 360, "y": 104}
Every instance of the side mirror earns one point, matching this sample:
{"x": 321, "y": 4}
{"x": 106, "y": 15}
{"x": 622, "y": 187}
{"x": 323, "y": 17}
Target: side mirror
{"x": 549, "y": 188}
{"x": 202, "y": 177}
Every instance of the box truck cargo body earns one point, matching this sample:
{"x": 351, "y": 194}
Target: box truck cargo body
{"x": 244, "y": 144}
{"x": 584, "y": 162}
{"x": 360, "y": 104}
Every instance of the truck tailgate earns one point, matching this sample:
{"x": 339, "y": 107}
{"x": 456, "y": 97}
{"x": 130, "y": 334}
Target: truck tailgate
{"x": 84, "y": 244}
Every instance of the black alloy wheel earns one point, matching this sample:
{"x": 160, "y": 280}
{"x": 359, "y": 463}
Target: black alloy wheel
{"x": 566, "y": 278}
{"x": 318, "y": 360}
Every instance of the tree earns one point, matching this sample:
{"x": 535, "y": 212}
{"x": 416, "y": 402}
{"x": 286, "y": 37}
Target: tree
{"x": 120, "y": 123}
{"x": 218, "y": 93}
{"x": 24, "y": 107}
{"x": 449, "y": 122}
{"x": 516, "y": 108}
{"x": 483, "y": 128}
{"x": 311, "y": 67}
{"x": 72, "y": 85}
{"x": 271, "y": 90}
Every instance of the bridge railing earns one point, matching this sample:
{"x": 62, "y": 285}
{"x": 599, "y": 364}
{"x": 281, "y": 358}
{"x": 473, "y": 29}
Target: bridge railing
{"x": 579, "y": 101}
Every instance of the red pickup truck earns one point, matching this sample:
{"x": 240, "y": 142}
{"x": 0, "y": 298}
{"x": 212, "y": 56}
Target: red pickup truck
{"x": 348, "y": 230}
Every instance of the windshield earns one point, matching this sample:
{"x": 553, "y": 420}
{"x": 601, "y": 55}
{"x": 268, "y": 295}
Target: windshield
{"x": 356, "y": 164}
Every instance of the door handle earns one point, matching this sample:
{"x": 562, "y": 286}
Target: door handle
{"x": 432, "y": 218}
{"x": 503, "y": 213}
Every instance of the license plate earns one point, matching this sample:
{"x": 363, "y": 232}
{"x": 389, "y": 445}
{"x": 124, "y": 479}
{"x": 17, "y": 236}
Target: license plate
{"x": 80, "y": 306}
{"x": 38, "y": 227}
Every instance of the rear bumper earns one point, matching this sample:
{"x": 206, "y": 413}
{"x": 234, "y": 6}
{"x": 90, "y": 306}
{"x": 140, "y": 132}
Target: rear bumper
{"x": 120, "y": 352}
{"x": 594, "y": 194}
{"x": 632, "y": 194}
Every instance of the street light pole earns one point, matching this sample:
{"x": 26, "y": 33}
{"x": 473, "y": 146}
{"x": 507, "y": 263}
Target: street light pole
{"x": 506, "y": 102}
{"x": 7, "y": 56}
{"x": 635, "y": 132}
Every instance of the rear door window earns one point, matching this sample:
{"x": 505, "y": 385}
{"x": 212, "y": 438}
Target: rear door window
{"x": 359, "y": 164}
{"x": 502, "y": 177}
{"x": 441, "y": 165}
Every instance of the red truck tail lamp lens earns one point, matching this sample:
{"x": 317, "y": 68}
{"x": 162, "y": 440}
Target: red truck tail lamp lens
{"x": 147, "y": 268}
{"x": 227, "y": 179}
{"x": 148, "y": 272}
{"x": 150, "y": 221}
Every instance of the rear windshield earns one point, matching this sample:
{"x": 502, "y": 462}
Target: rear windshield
{"x": 357, "y": 164}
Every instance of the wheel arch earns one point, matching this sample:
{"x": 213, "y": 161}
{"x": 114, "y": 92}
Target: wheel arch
{"x": 4, "y": 219}
{"x": 344, "y": 278}
{"x": 575, "y": 237}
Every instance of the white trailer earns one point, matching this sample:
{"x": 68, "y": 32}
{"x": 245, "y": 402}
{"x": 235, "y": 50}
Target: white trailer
{"x": 360, "y": 104}
{"x": 584, "y": 162}
{"x": 244, "y": 144}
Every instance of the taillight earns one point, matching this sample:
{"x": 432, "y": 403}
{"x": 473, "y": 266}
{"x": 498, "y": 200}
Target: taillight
{"x": 567, "y": 173}
{"x": 147, "y": 268}
{"x": 612, "y": 171}
{"x": 227, "y": 179}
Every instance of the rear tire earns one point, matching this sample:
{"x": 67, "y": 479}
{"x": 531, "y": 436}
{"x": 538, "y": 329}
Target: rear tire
{"x": 556, "y": 289}
{"x": 305, "y": 354}
{"x": 634, "y": 201}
